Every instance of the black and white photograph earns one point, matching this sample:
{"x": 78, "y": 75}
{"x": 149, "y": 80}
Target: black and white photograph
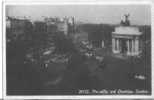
{"x": 78, "y": 49}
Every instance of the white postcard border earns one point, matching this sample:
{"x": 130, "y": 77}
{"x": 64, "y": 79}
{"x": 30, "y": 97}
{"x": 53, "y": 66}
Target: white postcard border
{"x": 76, "y": 96}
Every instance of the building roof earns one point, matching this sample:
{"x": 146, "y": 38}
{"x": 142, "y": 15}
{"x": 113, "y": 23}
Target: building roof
{"x": 127, "y": 30}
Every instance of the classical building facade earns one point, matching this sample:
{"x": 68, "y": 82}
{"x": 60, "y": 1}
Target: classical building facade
{"x": 126, "y": 40}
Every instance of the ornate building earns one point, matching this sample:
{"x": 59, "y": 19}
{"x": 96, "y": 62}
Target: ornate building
{"x": 126, "y": 39}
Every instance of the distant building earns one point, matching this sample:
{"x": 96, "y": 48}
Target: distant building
{"x": 40, "y": 27}
{"x": 126, "y": 39}
{"x": 8, "y": 23}
{"x": 63, "y": 25}
{"x": 51, "y": 25}
{"x": 17, "y": 26}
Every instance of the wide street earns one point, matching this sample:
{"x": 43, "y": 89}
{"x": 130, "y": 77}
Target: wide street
{"x": 115, "y": 73}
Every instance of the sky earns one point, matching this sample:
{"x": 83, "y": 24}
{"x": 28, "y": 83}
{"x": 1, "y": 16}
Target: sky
{"x": 111, "y": 14}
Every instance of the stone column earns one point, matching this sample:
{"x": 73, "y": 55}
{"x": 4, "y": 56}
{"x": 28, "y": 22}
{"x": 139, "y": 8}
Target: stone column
{"x": 131, "y": 47}
{"x": 132, "y": 51}
{"x": 113, "y": 44}
{"x": 118, "y": 45}
{"x": 102, "y": 43}
{"x": 136, "y": 46}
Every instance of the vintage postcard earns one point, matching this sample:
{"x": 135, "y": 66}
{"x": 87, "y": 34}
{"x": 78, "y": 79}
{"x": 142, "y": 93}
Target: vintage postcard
{"x": 76, "y": 50}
